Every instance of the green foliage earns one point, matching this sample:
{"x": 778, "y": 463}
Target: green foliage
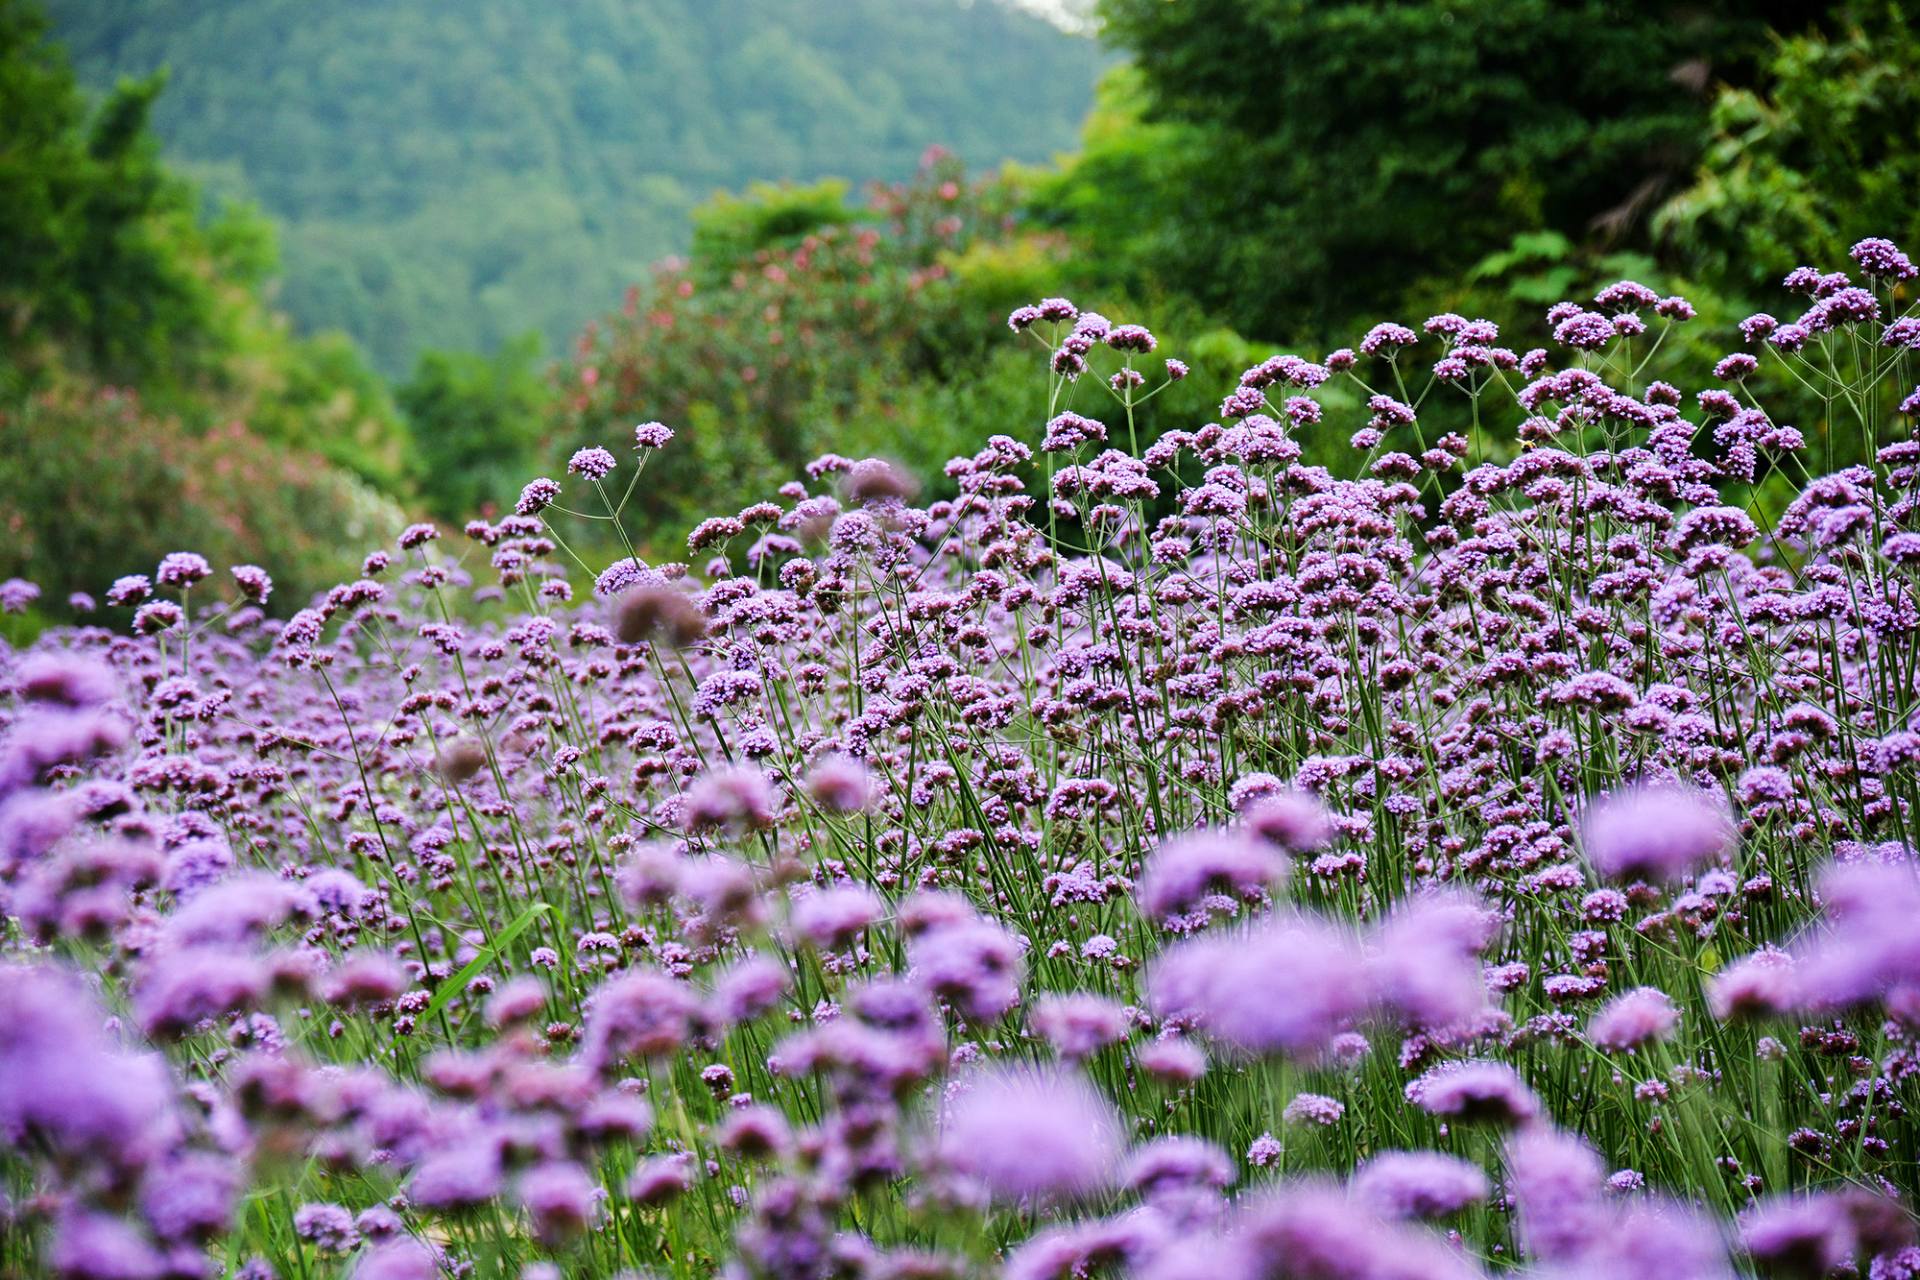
{"x": 1824, "y": 151}
{"x": 319, "y": 394}
{"x": 476, "y": 425}
{"x": 450, "y": 176}
{"x": 96, "y": 485}
{"x": 729, "y": 228}
{"x": 243, "y": 441}
{"x": 91, "y": 263}
{"x": 1305, "y": 162}
{"x": 1137, "y": 199}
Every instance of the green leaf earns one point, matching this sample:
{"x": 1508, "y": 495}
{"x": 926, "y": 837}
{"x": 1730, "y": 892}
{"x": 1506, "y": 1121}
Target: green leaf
{"x": 501, "y": 941}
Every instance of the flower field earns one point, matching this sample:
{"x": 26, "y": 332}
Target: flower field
{"x": 1162, "y": 858}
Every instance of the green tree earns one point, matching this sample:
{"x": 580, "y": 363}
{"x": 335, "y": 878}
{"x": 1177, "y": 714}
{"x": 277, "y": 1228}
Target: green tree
{"x": 1822, "y": 151}
{"x": 476, "y": 424}
{"x": 91, "y": 256}
{"x": 1316, "y": 158}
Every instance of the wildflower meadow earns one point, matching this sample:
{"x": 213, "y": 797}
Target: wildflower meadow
{"x": 1164, "y": 859}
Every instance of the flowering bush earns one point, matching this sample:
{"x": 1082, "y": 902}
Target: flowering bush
{"x": 1163, "y": 858}
{"x": 764, "y": 344}
{"x": 96, "y": 479}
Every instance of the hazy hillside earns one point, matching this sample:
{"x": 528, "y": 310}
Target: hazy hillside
{"x": 454, "y": 174}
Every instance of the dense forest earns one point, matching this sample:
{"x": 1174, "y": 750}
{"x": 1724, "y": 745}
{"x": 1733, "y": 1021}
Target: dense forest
{"x": 456, "y": 175}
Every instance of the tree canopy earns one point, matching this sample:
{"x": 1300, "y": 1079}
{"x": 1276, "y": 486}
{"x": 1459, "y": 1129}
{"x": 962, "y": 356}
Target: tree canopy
{"x": 1312, "y": 159}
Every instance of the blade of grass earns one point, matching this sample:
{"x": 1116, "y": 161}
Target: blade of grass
{"x": 501, "y": 941}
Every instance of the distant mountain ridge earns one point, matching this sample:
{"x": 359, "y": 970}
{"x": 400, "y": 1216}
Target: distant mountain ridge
{"x": 451, "y": 175}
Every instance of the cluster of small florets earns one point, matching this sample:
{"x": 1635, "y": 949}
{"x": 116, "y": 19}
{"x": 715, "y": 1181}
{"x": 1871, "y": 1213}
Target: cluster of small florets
{"x": 1153, "y": 857}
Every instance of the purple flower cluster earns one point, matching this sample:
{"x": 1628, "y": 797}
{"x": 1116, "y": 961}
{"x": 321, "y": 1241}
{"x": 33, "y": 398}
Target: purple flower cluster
{"x": 1185, "y": 861}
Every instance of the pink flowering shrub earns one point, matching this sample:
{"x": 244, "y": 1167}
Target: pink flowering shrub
{"x": 1164, "y": 858}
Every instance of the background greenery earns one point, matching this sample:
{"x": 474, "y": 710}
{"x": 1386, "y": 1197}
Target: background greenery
{"x": 458, "y": 188}
{"x": 453, "y": 175}
{"x": 149, "y": 398}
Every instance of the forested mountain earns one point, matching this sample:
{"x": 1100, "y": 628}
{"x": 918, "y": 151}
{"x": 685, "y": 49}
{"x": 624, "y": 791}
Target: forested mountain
{"x": 451, "y": 175}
